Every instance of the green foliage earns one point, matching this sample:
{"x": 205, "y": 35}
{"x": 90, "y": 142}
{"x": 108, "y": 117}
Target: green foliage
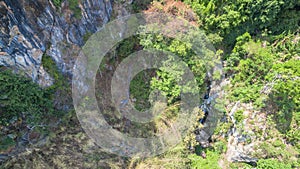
{"x": 21, "y": 98}
{"x": 240, "y": 166}
{"x": 60, "y": 89}
{"x": 140, "y": 90}
{"x": 293, "y": 136}
{"x": 285, "y": 95}
{"x": 288, "y": 19}
{"x": 140, "y": 84}
{"x": 272, "y": 164}
{"x": 231, "y": 20}
{"x": 168, "y": 76}
{"x": 51, "y": 68}
{"x": 257, "y": 63}
{"x": 276, "y": 149}
{"x": 138, "y": 6}
{"x": 238, "y": 116}
{"x": 287, "y": 88}
{"x": 165, "y": 81}
{"x": 278, "y": 143}
{"x": 128, "y": 46}
{"x": 250, "y": 62}
{"x": 74, "y": 6}
{"x": 86, "y": 36}
{"x": 174, "y": 158}
{"x": 262, "y": 61}
{"x": 190, "y": 140}
{"x": 6, "y": 142}
{"x": 57, "y": 3}
{"x": 238, "y": 52}
{"x": 217, "y": 75}
{"x": 220, "y": 146}
{"x": 197, "y": 162}
{"x": 222, "y": 128}
{"x": 286, "y": 45}
{"x": 260, "y": 45}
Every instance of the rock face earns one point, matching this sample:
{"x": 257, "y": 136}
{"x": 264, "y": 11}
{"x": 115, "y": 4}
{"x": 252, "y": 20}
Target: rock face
{"x": 31, "y": 28}
{"x": 238, "y": 149}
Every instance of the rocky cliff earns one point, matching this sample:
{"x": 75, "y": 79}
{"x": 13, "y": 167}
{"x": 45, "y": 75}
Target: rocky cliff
{"x": 30, "y": 29}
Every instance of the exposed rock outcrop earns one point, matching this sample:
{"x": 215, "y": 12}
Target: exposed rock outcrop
{"x": 241, "y": 138}
{"x": 30, "y": 28}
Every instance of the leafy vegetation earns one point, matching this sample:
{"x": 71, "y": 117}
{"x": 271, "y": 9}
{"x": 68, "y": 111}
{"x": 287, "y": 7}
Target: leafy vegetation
{"x": 197, "y": 162}
{"x": 139, "y": 88}
{"x": 86, "y": 36}
{"x": 258, "y": 42}
{"x": 51, "y": 68}
{"x": 238, "y": 116}
{"x": 166, "y": 80}
{"x": 6, "y": 142}
{"x": 272, "y": 164}
{"x": 230, "y": 20}
{"x": 22, "y": 99}
{"x": 57, "y": 3}
{"x": 139, "y": 6}
{"x": 74, "y": 6}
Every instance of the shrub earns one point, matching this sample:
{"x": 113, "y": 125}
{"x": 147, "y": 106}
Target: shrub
{"x": 140, "y": 90}
{"x": 197, "y": 162}
{"x": 57, "y": 3}
{"x": 272, "y": 164}
{"x": 166, "y": 79}
{"x": 6, "y": 142}
{"x": 231, "y": 20}
{"x": 21, "y": 98}
{"x": 250, "y": 63}
{"x": 51, "y": 68}
{"x": 239, "y": 116}
{"x": 74, "y": 6}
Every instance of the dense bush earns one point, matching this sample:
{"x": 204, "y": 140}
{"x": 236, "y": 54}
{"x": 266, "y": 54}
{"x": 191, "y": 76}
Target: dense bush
{"x": 74, "y": 6}
{"x": 272, "y": 164}
{"x": 166, "y": 79}
{"x": 231, "y": 20}
{"x": 248, "y": 65}
{"x": 57, "y": 3}
{"x": 238, "y": 116}
{"x": 260, "y": 46}
{"x": 22, "y": 99}
{"x": 285, "y": 95}
{"x": 139, "y": 90}
{"x": 198, "y": 162}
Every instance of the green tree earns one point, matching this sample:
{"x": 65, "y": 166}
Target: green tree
{"x": 231, "y": 20}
